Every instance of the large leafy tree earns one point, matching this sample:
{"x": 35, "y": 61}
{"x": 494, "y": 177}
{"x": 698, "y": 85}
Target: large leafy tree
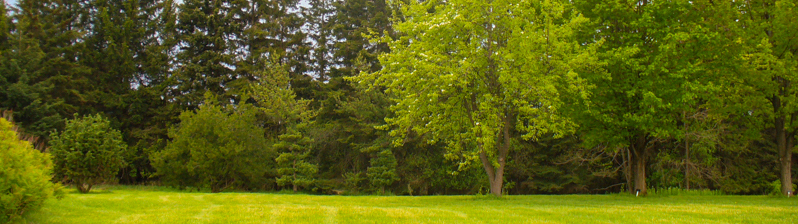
{"x": 772, "y": 40}
{"x": 663, "y": 63}
{"x": 478, "y": 74}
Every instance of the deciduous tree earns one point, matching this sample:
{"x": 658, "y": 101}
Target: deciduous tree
{"x": 478, "y": 74}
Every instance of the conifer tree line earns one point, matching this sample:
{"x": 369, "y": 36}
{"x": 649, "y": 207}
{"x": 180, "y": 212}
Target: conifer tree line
{"x": 416, "y": 97}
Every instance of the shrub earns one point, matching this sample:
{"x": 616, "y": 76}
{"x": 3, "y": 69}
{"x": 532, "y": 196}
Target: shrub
{"x": 382, "y": 171}
{"x": 25, "y": 175}
{"x": 88, "y": 152}
{"x": 216, "y": 149}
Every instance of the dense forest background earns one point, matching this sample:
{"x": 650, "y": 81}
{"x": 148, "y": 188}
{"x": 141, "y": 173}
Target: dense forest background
{"x": 286, "y": 94}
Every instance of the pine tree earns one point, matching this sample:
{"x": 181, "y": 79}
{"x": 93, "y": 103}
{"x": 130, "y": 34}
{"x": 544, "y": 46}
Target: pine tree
{"x": 128, "y": 46}
{"x": 46, "y": 82}
{"x": 293, "y": 168}
{"x": 319, "y": 20}
{"x": 207, "y": 54}
{"x": 350, "y": 112}
{"x": 382, "y": 171}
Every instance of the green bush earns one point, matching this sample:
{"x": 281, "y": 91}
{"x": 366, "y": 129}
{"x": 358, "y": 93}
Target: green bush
{"x": 25, "y": 175}
{"x": 88, "y": 152}
{"x": 215, "y": 149}
{"x": 775, "y": 188}
{"x": 382, "y": 171}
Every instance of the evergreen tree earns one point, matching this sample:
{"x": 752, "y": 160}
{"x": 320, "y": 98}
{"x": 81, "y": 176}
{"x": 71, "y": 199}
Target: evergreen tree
{"x": 127, "y": 47}
{"x": 319, "y": 20}
{"x": 354, "y": 21}
{"x": 46, "y": 83}
{"x": 215, "y": 147}
{"x": 292, "y": 166}
{"x": 207, "y": 55}
{"x": 349, "y": 112}
{"x": 382, "y": 171}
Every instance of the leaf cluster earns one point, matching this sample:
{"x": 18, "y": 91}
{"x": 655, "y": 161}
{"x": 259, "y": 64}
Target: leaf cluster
{"x": 88, "y": 152}
{"x": 24, "y": 176}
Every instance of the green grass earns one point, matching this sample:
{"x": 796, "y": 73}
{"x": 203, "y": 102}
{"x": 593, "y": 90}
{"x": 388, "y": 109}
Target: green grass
{"x": 120, "y": 204}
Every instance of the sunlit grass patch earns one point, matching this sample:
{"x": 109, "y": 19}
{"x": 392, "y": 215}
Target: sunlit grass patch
{"x": 121, "y": 204}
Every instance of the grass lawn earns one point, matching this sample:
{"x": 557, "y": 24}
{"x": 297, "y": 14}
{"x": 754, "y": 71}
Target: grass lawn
{"x": 121, "y": 204}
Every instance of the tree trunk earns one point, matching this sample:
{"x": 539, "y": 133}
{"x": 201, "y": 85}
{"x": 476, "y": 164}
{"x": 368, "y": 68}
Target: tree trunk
{"x": 639, "y": 155}
{"x": 82, "y": 188}
{"x": 628, "y": 167}
{"x": 496, "y": 174}
{"x": 786, "y": 169}
{"x": 784, "y": 146}
{"x": 640, "y": 174}
{"x": 293, "y": 181}
{"x": 686, "y": 154}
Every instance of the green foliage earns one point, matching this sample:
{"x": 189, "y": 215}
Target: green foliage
{"x": 353, "y": 181}
{"x": 274, "y": 94}
{"x": 88, "y": 152}
{"x": 216, "y": 148}
{"x": 775, "y": 188}
{"x": 476, "y": 86}
{"x": 682, "y": 192}
{"x": 292, "y": 165}
{"x": 24, "y": 175}
{"x": 549, "y": 96}
{"x": 772, "y": 70}
{"x": 382, "y": 171}
{"x": 42, "y": 81}
{"x": 561, "y": 166}
{"x": 128, "y": 46}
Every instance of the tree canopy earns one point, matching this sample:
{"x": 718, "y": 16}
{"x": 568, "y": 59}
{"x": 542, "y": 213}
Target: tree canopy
{"x": 510, "y": 97}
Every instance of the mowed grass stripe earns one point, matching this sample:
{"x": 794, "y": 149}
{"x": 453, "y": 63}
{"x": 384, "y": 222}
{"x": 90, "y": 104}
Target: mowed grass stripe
{"x": 122, "y": 204}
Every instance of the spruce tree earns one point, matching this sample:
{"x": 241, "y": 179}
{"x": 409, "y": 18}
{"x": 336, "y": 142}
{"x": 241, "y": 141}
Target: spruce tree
{"x": 45, "y": 81}
{"x": 293, "y": 168}
{"x": 349, "y": 112}
{"x": 319, "y": 20}
{"x": 382, "y": 171}
{"x": 207, "y": 55}
{"x": 127, "y": 49}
